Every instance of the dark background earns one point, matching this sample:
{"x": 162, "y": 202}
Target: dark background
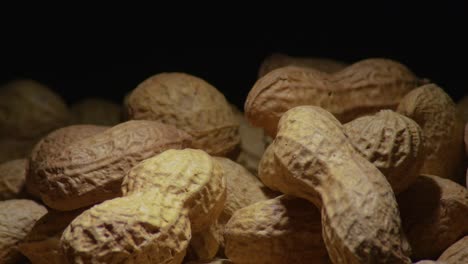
{"x": 108, "y": 63}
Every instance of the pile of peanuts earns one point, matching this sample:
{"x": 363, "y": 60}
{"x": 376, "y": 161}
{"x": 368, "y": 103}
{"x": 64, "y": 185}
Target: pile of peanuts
{"x": 327, "y": 163}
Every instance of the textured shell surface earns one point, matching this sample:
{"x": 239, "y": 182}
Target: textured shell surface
{"x": 17, "y": 217}
{"x": 456, "y": 253}
{"x": 30, "y": 110}
{"x": 192, "y": 105}
{"x": 12, "y": 179}
{"x": 435, "y": 112}
{"x": 363, "y": 87}
{"x": 434, "y": 214}
{"x": 281, "y": 230}
{"x": 312, "y": 158}
{"x": 91, "y": 170}
{"x": 392, "y": 142}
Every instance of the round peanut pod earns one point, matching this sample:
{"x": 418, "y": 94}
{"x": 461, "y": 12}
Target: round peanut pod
{"x": 435, "y": 113}
{"x": 12, "y": 179}
{"x": 30, "y": 110}
{"x": 242, "y": 189}
{"x": 392, "y": 142}
{"x": 166, "y": 198}
{"x": 456, "y": 253}
{"x": 190, "y": 104}
{"x": 17, "y": 217}
{"x": 252, "y": 144}
{"x": 42, "y": 244}
{"x": 312, "y": 158}
{"x": 52, "y": 144}
{"x": 434, "y": 214}
{"x": 361, "y": 88}
{"x": 91, "y": 170}
{"x": 96, "y": 111}
{"x": 278, "y": 60}
{"x": 281, "y": 230}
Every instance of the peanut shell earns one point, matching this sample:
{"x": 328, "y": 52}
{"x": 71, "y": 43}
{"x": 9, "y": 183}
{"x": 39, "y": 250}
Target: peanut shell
{"x": 434, "y": 214}
{"x": 214, "y": 261}
{"x": 12, "y": 179}
{"x": 91, "y": 170}
{"x": 361, "y": 88}
{"x": 311, "y": 158}
{"x": 392, "y": 142}
{"x": 17, "y": 217}
{"x": 435, "y": 113}
{"x": 456, "y": 253}
{"x": 192, "y": 105}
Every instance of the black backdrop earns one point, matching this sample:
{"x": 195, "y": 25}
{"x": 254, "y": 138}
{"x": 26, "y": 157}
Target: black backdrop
{"x": 433, "y": 44}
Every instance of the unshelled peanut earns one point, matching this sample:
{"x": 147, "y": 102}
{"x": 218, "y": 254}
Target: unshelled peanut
{"x": 192, "y": 105}
{"x": 166, "y": 198}
{"x": 312, "y": 158}
{"x": 95, "y": 111}
{"x": 392, "y": 142}
{"x": 442, "y": 128}
{"x": 278, "y": 60}
{"x": 434, "y": 214}
{"x": 361, "y": 88}
{"x": 17, "y": 217}
{"x": 91, "y": 170}
{"x": 281, "y": 230}
{"x": 12, "y": 179}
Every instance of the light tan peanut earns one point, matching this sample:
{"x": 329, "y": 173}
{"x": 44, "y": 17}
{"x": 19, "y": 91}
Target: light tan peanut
{"x": 456, "y": 253}
{"x": 462, "y": 108}
{"x": 12, "y": 179}
{"x": 242, "y": 189}
{"x": 435, "y": 113}
{"x": 166, "y": 198}
{"x": 91, "y": 170}
{"x": 42, "y": 244}
{"x": 392, "y": 142}
{"x": 361, "y": 88}
{"x": 52, "y": 144}
{"x": 312, "y": 158}
{"x": 190, "y": 104}
{"x": 17, "y": 217}
{"x": 30, "y": 110}
{"x": 278, "y": 60}
{"x": 95, "y": 111}
{"x": 281, "y": 230}
{"x": 252, "y": 143}
{"x": 434, "y": 214}
{"x": 11, "y": 148}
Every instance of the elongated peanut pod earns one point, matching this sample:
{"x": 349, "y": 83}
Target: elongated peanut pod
{"x": 165, "y": 199}
{"x": 311, "y": 158}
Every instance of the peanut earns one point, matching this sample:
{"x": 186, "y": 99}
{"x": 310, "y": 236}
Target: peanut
{"x": 214, "y": 261}
{"x": 12, "y": 179}
{"x": 190, "y": 104}
{"x": 434, "y": 211}
{"x": 91, "y": 170}
{"x": 312, "y": 158}
{"x": 96, "y": 111}
{"x": 17, "y": 217}
{"x": 392, "y": 142}
{"x": 30, "y": 110}
{"x": 242, "y": 189}
{"x": 51, "y": 144}
{"x": 42, "y": 244}
{"x": 435, "y": 113}
{"x": 361, "y": 88}
{"x": 281, "y": 230}
{"x": 166, "y": 197}
{"x": 456, "y": 253}
{"x": 278, "y": 60}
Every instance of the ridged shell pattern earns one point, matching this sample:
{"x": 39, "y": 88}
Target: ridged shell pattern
{"x": 312, "y": 158}
{"x": 165, "y": 199}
